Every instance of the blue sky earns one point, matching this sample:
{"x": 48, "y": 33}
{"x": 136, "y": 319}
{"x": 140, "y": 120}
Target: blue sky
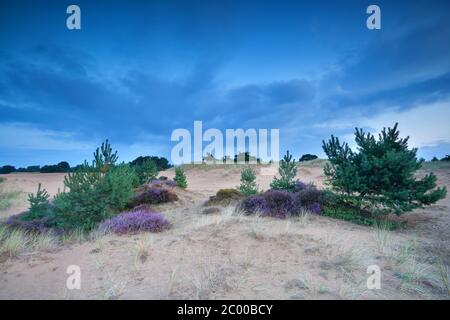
{"x": 139, "y": 69}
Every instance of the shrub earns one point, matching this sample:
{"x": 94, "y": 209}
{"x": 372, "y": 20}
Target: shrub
{"x": 163, "y": 182}
{"x": 136, "y": 221}
{"x": 224, "y": 197}
{"x": 380, "y": 177}
{"x": 2, "y": 179}
{"x": 248, "y": 182}
{"x": 154, "y": 195}
{"x": 23, "y": 221}
{"x": 287, "y": 171}
{"x": 255, "y": 204}
{"x": 307, "y": 157}
{"x": 180, "y": 177}
{"x": 310, "y": 198}
{"x": 280, "y": 203}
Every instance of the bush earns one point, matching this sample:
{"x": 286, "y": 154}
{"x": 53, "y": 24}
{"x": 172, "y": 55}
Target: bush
{"x": 287, "y": 171}
{"x": 248, "y": 182}
{"x": 146, "y": 171}
{"x": 224, "y": 197}
{"x": 22, "y": 221}
{"x": 136, "y": 221}
{"x": 2, "y": 179}
{"x": 309, "y": 198}
{"x": 307, "y": 157}
{"x": 154, "y": 195}
{"x": 255, "y": 204}
{"x": 280, "y": 203}
{"x": 180, "y": 177}
{"x": 380, "y": 177}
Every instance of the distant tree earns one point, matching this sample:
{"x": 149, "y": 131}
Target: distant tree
{"x": 63, "y": 166}
{"x": 161, "y": 162}
{"x": 380, "y": 177}
{"x": 146, "y": 171}
{"x": 7, "y": 169}
{"x": 446, "y": 158}
{"x": 308, "y": 157}
{"x": 434, "y": 159}
{"x": 33, "y": 168}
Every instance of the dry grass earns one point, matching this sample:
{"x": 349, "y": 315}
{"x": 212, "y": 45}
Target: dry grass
{"x": 16, "y": 242}
{"x": 141, "y": 249}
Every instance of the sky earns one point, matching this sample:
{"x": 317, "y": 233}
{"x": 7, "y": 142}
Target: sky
{"x": 137, "y": 70}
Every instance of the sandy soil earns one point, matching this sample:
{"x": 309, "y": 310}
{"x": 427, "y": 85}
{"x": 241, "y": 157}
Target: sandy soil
{"x": 223, "y": 256}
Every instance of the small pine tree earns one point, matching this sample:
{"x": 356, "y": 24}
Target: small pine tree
{"x": 180, "y": 177}
{"x": 287, "y": 171}
{"x": 104, "y": 158}
{"x": 38, "y": 202}
{"x": 248, "y": 182}
{"x": 380, "y": 176}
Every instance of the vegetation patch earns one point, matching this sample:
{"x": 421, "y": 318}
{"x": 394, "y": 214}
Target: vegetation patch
{"x": 136, "y": 221}
{"x": 225, "y": 197}
{"x": 154, "y": 195}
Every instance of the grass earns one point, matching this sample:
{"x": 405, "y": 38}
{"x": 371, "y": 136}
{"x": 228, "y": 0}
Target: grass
{"x": 7, "y": 197}
{"x": 413, "y": 275}
{"x": 142, "y": 248}
{"x": 16, "y": 242}
{"x": 383, "y": 240}
{"x": 443, "y": 277}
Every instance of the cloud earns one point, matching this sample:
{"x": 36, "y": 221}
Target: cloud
{"x": 426, "y": 124}
{"x": 25, "y": 136}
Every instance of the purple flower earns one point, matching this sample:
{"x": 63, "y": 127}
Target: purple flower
{"x": 315, "y": 208}
{"x": 299, "y": 186}
{"x": 136, "y": 221}
{"x": 155, "y": 195}
{"x": 254, "y": 204}
{"x": 279, "y": 202}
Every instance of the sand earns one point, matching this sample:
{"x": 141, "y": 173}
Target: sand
{"x": 222, "y": 256}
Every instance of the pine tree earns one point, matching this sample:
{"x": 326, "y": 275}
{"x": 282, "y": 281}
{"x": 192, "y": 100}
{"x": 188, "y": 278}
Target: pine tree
{"x": 180, "y": 177}
{"x": 248, "y": 182}
{"x": 104, "y": 158}
{"x": 287, "y": 171}
{"x": 380, "y": 176}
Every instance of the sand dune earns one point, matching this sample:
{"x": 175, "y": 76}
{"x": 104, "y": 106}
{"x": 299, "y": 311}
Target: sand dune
{"x": 223, "y": 256}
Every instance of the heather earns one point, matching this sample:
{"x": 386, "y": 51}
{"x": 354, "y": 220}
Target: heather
{"x": 136, "y": 221}
{"x": 154, "y": 195}
{"x": 283, "y": 203}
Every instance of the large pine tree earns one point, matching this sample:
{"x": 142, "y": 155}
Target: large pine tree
{"x": 381, "y": 174}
